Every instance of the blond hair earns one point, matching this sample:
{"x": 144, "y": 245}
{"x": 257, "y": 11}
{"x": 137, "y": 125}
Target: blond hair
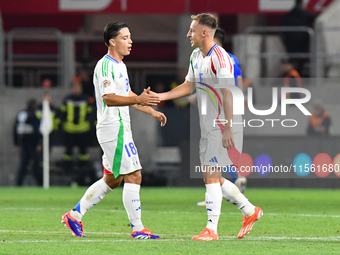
{"x": 206, "y": 19}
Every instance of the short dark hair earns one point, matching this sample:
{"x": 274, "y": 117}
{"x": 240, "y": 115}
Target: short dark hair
{"x": 220, "y": 35}
{"x": 111, "y": 31}
{"x": 298, "y": 2}
{"x": 206, "y": 19}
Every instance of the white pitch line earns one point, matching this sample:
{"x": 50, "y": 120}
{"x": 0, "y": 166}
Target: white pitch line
{"x": 223, "y": 238}
{"x": 86, "y": 240}
{"x": 250, "y": 238}
{"x": 177, "y": 212}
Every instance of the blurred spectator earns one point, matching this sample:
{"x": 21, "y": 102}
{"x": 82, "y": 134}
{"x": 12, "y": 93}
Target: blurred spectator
{"x": 75, "y": 117}
{"x": 55, "y": 116}
{"x": 26, "y": 139}
{"x": 46, "y": 83}
{"x": 291, "y": 78}
{"x": 319, "y": 122}
{"x": 297, "y": 42}
{"x": 87, "y": 85}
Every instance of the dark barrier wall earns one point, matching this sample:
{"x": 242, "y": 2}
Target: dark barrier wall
{"x": 282, "y": 151}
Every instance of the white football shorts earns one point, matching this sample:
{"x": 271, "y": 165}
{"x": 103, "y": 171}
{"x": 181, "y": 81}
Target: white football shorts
{"x": 212, "y": 152}
{"x": 120, "y": 155}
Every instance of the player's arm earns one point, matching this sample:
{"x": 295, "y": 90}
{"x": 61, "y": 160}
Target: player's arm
{"x": 180, "y": 91}
{"x": 193, "y": 99}
{"x": 228, "y": 136}
{"x": 240, "y": 82}
{"x": 111, "y": 99}
{"x": 149, "y": 110}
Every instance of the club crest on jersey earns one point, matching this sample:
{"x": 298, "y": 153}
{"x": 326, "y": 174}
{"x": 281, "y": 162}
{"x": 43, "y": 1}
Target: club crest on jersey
{"x": 206, "y": 69}
{"x": 107, "y": 83}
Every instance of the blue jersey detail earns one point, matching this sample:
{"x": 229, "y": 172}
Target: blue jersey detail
{"x": 112, "y": 59}
{"x": 211, "y": 50}
{"x": 237, "y": 68}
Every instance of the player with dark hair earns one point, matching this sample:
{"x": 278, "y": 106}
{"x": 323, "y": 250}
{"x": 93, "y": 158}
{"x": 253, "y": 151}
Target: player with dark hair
{"x": 27, "y": 140}
{"x": 297, "y": 42}
{"x": 210, "y": 64}
{"x": 120, "y": 159}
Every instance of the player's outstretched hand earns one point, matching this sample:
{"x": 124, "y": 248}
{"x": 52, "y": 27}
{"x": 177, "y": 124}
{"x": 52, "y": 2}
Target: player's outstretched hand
{"x": 147, "y": 98}
{"x": 161, "y": 96}
{"x": 159, "y": 116}
{"x": 228, "y": 138}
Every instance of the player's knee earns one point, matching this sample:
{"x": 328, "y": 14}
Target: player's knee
{"x": 211, "y": 180}
{"x": 135, "y": 177}
{"x": 113, "y": 182}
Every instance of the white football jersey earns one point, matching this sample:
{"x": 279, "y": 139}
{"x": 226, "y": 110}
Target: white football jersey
{"x": 110, "y": 76}
{"x": 207, "y": 72}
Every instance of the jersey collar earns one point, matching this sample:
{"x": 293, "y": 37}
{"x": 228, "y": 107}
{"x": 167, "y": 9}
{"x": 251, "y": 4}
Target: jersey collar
{"x": 112, "y": 59}
{"x": 211, "y": 50}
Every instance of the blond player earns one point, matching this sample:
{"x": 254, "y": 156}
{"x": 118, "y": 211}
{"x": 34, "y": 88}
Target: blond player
{"x": 211, "y": 65}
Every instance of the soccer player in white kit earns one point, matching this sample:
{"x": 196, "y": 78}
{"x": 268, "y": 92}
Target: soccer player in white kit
{"x": 210, "y": 65}
{"x": 120, "y": 158}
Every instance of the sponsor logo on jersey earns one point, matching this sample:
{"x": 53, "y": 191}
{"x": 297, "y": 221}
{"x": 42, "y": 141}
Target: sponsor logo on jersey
{"x": 107, "y": 83}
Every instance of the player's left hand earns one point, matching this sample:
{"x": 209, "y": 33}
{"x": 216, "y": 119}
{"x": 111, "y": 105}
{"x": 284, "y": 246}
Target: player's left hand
{"x": 228, "y": 138}
{"x": 159, "y": 116}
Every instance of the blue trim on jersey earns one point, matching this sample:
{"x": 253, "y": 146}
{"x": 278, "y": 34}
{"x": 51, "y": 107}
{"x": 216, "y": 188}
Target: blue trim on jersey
{"x": 211, "y": 50}
{"x": 77, "y": 207}
{"x": 112, "y": 59}
{"x": 237, "y": 68}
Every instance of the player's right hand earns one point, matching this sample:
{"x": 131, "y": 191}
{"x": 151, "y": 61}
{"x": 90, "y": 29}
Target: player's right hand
{"x": 147, "y": 98}
{"x": 159, "y": 95}
{"x": 228, "y": 138}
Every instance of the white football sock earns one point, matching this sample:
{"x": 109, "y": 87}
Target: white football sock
{"x": 233, "y": 195}
{"x": 213, "y": 200}
{"x": 94, "y": 194}
{"x": 132, "y": 206}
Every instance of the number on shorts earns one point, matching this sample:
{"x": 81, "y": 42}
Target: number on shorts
{"x": 131, "y": 148}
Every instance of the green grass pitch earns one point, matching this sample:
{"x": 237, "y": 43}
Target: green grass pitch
{"x": 295, "y": 221}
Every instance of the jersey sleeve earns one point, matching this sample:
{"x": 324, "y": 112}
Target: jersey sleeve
{"x": 106, "y": 78}
{"x": 191, "y": 74}
{"x": 223, "y": 66}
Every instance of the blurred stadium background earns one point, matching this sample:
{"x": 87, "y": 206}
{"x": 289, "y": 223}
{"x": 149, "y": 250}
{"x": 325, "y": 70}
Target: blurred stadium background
{"x": 58, "y": 39}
